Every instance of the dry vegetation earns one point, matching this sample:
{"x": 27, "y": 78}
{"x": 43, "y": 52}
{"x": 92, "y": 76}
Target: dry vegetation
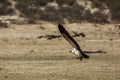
{"x": 23, "y": 56}
{"x": 97, "y": 11}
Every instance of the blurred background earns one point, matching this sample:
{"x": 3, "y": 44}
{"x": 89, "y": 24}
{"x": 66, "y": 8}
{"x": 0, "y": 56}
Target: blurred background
{"x": 33, "y": 11}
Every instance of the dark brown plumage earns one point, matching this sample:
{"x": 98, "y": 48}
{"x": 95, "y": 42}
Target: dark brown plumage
{"x": 68, "y": 37}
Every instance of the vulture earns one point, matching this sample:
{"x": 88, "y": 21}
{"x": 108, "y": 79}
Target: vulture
{"x": 76, "y": 48}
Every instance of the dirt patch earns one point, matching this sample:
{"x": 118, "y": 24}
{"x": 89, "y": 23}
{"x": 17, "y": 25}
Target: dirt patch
{"x": 23, "y": 56}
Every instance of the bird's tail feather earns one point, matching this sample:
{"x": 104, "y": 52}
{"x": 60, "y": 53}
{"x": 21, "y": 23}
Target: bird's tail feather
{"x": 84, "y": 55}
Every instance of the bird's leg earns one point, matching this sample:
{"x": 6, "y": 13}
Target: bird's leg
{"x": 81, "y": 58}
{"x": 77, "y": 57}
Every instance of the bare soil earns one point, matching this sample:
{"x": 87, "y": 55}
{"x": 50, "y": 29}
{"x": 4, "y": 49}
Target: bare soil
{"x": 24, "y": 56}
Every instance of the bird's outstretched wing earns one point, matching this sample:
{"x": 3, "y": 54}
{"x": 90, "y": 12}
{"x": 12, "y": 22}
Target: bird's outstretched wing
{"x": 68, "y": 37}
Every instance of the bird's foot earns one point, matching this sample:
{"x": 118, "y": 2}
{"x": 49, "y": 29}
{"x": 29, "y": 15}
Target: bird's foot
{"x": 80, "y": 58}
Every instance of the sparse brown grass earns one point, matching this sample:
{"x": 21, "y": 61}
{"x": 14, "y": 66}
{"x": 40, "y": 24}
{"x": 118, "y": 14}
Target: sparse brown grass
{"x": 29, "y": 58}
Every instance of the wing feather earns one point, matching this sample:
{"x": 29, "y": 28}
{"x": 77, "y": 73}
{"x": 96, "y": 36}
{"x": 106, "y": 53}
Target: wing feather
{"x": 68, "y": 37}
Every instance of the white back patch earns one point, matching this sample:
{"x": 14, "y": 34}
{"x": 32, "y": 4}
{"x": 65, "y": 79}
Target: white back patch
{"x": 75, "y": 51}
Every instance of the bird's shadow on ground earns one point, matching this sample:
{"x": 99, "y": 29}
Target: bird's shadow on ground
{"x": 95, "y": 52}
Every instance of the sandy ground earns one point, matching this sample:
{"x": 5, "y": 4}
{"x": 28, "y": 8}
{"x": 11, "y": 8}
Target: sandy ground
{"x": 24, "y": 56}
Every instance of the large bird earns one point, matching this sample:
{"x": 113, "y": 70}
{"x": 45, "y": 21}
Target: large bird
{"x": 77, "y": 49}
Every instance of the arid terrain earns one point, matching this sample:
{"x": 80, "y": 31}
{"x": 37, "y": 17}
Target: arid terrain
{"x": 25, "y": 55}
